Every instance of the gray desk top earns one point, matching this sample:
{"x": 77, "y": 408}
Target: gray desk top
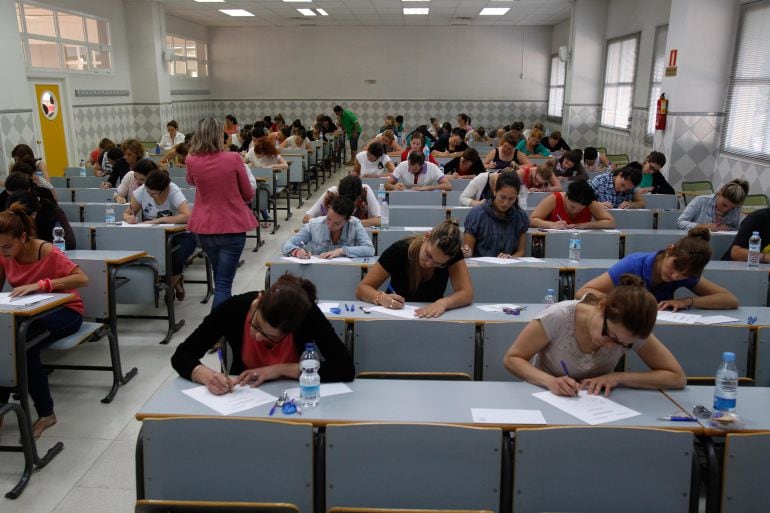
{"x": 753, "y": 406}
{"x": 175, "y": 228}
{"x": 465, "y": 314}
{"x": 106, "y": 255}
{"x": 420, "y": 402}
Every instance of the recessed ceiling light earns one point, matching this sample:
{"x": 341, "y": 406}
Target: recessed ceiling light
{"x": 322, "y": 12}
{"x": 494, "y": 11}
{"x": 416, "y": 10}
{"x": 210, "y": 1}
{"x": 306, "y": 12}
{"x": 236, "y": 12}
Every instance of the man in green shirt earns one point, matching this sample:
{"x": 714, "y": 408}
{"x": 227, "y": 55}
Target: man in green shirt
{"x": 349, "y": 123}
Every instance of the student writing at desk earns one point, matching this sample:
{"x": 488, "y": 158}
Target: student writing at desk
{"x": 267, "y": 332}
{"x": 576, "y": 208}
{"x": 34, "y": 266}
{"x": 718, "y": 212}
{"x": 575, "y": 345}
{"x": 419, "y": 269}
{"x": 415, "y": 174}
{"x": 679, "y": 265}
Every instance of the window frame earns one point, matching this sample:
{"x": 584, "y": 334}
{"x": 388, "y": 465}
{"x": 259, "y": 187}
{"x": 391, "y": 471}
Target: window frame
{"x": 636, "y": 36}
{"x": 554, "y": 87}
{"x": 61, "y": 42}
{"x": 200, "y": 59}
{"x": 652, "y": 101}
{"x": 762, "y": 156}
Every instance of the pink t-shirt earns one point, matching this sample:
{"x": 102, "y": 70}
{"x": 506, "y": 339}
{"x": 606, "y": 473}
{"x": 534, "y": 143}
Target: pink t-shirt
{"x": 222, "y": 190}
{"x": 254, "y": 354}
{"x": 52, "y": 266}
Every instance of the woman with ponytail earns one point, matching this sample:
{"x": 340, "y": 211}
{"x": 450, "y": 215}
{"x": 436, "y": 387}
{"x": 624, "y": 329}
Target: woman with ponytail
{"x": 576, "y": 345}
{"x": 33, "y": 266}
{"x": 679, "y": 265}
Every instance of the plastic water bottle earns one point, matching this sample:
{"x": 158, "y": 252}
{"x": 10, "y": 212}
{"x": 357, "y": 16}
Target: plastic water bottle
{"x": 550, "y": 297}
{"x": 381, "y": 194}
{"x": 755, "y": 247}
{"x": 726, "y": 384}
{"x": 157, "y": 149}
{"x": 426, "y": 152}
{"x": 82, "y": 168}
{"x": 384, "y": 215}
{"x": 575, "y": 245}
{"x": 523, "y": 193}
{"x": 109, "y": 213}
{"x": 58, "y": 237}
{"x": 309, "y": 379}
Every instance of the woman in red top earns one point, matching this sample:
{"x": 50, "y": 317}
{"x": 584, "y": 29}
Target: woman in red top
{"x": 417, "y": 144}
{"x": 34, "y": 266}
{"x": 572, "y": 209}
{"x": 540, "y": 177}
{"x": 221, "y": 216}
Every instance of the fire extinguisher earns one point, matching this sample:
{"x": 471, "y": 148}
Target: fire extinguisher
{"x": 662, "y": 111}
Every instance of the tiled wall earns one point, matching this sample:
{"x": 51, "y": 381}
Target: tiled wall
{"x": 579, "y": 125}
{"x": 94, "y": 122}
{"x": 371, "y": 113}
{"x": 188, "y": 113}
{"x": 16, "y": 127}
{"x": 758, "y": 175}
{"x": 634, "y": 143}
{"x": 691, "y": 144}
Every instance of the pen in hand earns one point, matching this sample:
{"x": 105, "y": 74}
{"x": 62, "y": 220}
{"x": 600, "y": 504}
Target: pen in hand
{"x": 223, "y": 370}
{"x": 566, "y": 373}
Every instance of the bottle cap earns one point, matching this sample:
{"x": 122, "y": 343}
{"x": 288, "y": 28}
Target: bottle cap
{"x": 551, "y": 291}
{"x": 728, "y": 356}
{"x": 310, "y": 346}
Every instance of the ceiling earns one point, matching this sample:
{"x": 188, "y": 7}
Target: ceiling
{"x": 371, "y": 12}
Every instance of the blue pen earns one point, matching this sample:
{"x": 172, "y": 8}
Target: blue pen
{"x": 352, "y": 308}
{"x": 222, "y": 368}
{"x": 346, "y": 307}
{"x": 566, "y": 372}
{"x": 677, "y": 418}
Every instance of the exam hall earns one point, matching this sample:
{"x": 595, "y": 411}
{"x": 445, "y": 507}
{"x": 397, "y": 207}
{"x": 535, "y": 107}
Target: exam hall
{"x": 591, "y": 70}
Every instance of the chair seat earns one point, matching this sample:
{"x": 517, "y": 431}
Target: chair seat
{"x": 86, "y": 331}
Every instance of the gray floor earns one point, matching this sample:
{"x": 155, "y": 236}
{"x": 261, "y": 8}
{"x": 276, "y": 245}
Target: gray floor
{"x": 95, "y": 471}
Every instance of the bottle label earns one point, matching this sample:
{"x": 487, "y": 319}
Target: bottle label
{"x": 575, "y": 244}
{"x": 724, "y": 404}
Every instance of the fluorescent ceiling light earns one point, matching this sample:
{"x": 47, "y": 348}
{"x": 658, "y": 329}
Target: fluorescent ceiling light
{"x": 416, "y": 10}
{"x": 306, "y": 12}
{"x": 494, "y": 11}
{"x": 322, "y": 12}
{"x": 236, "y": 12}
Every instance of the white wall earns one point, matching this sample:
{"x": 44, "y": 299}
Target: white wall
{"x": 471, "y": 63}
{"x": 560, "y": 36}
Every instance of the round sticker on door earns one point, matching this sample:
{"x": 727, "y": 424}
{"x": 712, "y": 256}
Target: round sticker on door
{"x": 49, "y": 105}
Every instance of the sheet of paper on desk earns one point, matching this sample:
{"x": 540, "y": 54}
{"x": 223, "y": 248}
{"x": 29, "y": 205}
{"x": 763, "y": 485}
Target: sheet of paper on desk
{"x": 145, "y": 225}
{"x": 316, "y": 260}
{"x": 531, "y": 259}
{"x": 579, "y": 230}
{"x": 417, "y": 228}
{"x": 327, "y": 389}
{"x": 591, "y": 409}
{"x": 408, "y": 312}
{"x": 495, "y": 260}
{"x": 326, "y": 307}
{"x": 677, "y": 317}
{"x": 498, "y": 307}
{"x": 503, "y": 416}
{"x": 31, "y": 299}
{"x": 611, "y": 230}
{"x": 715, "y": 319}
{"x": 240, "y": 399}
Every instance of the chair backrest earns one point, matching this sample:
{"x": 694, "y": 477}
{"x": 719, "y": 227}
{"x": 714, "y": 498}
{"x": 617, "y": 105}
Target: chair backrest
{"x": 91, "y": 195}
{"x": 416, "y": 198}
{"x": 661, "y": 201}
{"x": 413, "y": 466}
{"x": 84, "y": 182}
{"x": 754, "y": 202}
{"x": 633, "y": 218}
{"x": 154, "y": 506}
{"x": 336, "y": 281}
{"x": 414, "y": 346}
{"x": 459, "y": 213}
{"x": 619, "y": 159}
{"x": 642, "y": 469}
{"x": 596, "y": 244}
{"x": 493, "y": 284}
{"x": 746, "y": 475}
{"x": 696, "y": 188}
{"x": 452, "y": 198}
{"x": 72, "y": 211}
{"x": 601, "y": 149}
{"x": 94, "y": 212}
{"x": 281, "y": 469}
{"x": 406, "y": 215}
{"x": 498, "y": 337}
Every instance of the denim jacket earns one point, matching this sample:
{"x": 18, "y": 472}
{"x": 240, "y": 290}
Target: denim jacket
{"x": 315, "y": 238}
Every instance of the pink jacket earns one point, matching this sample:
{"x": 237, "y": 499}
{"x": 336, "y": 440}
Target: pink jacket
{"x": 221, "y": 192}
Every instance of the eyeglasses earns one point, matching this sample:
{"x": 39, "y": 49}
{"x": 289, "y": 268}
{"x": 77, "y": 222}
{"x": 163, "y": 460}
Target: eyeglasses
{"x": 439, "y": 265}
{"x": 270, "y": 338}
{"x": 606, "y": 334}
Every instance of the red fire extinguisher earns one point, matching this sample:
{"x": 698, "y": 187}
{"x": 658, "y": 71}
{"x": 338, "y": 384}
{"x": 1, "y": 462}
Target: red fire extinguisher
{"x": 662, "y": 111}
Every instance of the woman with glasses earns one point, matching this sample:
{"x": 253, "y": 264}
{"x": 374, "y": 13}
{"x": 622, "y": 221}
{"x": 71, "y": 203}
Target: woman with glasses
{"x": 419, "y": 269}
{"x": 336, "y": 234}
{"x": 160, "y": 201}
{"x": 663, "y": 272}
{"x": 575, "y": 345}
{"x": 266, "y": 333}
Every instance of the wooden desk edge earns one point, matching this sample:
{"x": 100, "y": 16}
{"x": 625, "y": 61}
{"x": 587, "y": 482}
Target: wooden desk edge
{"x": 41, "y": 307}
{"x": 128, "y": 258}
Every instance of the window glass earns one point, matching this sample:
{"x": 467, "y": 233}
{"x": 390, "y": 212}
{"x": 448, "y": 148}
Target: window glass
{"x": 39, "y": 21}
{"x": 44, "y": 54}
{"x": 71, "y": 26}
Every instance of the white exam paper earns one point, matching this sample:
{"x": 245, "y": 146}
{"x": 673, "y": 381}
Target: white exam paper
{"x": 495, "y": 260}
{"x": 315, "y": 260}
{"x": 30, "y": 299}
{"x": 503, "y": 416}
{"x": 591, "y": 409}
{"x": 327, "y": 389}
{"x": 498, "y": 307}
{"x": 716, "y": 319}
{"x": 531, "y": 259}
{"x": 678, "y": 317}
{"x": 418, "y": 228}
{"x": 408, "y": 312}
{"x": 144, "y": 225}
{"x": 326, "y": 307}
{"x": 240, "y": 399}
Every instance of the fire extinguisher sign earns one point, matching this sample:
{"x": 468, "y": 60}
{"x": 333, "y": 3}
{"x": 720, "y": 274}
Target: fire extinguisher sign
{"x": 671, "y": 68}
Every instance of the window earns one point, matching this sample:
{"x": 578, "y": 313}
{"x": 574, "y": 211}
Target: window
{"x": 53, "y": 38}
{"x": 747, "y": 127}
{"x": 619, "y": 74}
{"x": 656, "y": 76}
{"x": 189, "y": 58}
{"x": 556, "y": 87}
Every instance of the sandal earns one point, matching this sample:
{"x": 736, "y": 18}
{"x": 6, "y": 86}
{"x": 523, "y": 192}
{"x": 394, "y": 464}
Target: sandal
{"x": 179, "y": 291}
{"x": 265, "y": 224}
{"x": 42, "y": 424}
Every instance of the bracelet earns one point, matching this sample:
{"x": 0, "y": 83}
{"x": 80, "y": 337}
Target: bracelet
{"x": 377, "y": 297}
{"x": 45, "y": 285}
{"x": 195, "y": 369}
{"x": 41, "y": 285}
{"x": 49, "y": 284}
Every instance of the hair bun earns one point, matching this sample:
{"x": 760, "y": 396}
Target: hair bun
{"x": 631, "y": 280}
{"x": 700, "y": 232}
{"x": 453, "y": 221}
